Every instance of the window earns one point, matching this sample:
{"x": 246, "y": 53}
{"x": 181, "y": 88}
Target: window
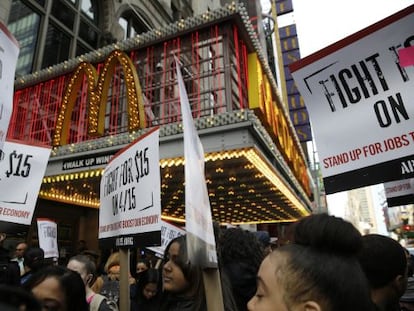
{"x": 57, "y": 47}
{"x": 88, "y": 33}
{"x": 24, "y": 24}
{"x": 63, "y": 13}
{"x": 41, "y": 2}
{"x": 81, "y": 49}
{"x": 89, "y": 9}
{"x": 27, "y": 23}
{"x": 131, "y": 25}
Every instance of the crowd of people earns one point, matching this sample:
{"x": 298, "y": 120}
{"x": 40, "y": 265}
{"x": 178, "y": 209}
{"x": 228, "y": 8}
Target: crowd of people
{"x": 327, "y": 265}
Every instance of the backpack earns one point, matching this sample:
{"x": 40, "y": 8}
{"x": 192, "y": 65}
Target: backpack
{"x": 110, "y": 289}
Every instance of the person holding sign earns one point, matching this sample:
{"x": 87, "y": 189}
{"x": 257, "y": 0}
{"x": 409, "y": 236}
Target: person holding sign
{"x": 319, "y": 271}
{"x": 183, "y": 282}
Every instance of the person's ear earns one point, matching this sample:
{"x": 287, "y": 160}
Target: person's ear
{"x": 311, "y": 306}
{"x": 400, "y": 282}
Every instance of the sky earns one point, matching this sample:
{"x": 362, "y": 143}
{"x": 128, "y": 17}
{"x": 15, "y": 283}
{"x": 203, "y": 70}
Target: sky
{"x": 320, "y": 23}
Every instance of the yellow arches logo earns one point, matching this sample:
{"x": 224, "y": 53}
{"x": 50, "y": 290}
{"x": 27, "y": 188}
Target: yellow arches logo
{"x": 98, "y": 96}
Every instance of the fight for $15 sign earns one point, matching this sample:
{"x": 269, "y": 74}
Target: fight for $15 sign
{"x": 130, "y": 196}
{"x": 47, "y": 234}
{"x": 22, "y": 168}
{"x": 361, "y": 105}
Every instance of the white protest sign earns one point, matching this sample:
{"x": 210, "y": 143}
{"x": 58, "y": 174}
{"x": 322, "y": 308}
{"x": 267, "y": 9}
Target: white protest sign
{"x": 130, "y": 196}
{"x": 22, "y": 168}
{"x": 400, "y": 192}
{"x": 392, "y": 216}
{"x": 168, "y": 233}
{"x": 47, "y": 233}
{"x": 9, "y": 51}
{"x": 360, "y": 101}
{"x": 199, "y": 224}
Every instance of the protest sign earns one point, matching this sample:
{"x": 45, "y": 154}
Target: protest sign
{"x": 399, "y": 192}
{"x": 130, "y": 196}
{"x": 201, "y": 244}
{"x": 9, "y": 51}
{"x": 168, "y": 232}
{"x": 22, "y": 168}
{"x": 198, "y": 221}
{"x": 47, "y": 233}
{"x": 359, "y": 98}
{"x": 393, "y": 218}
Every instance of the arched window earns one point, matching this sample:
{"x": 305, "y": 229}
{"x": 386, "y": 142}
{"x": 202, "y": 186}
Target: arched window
{"x": 131, "y": 24}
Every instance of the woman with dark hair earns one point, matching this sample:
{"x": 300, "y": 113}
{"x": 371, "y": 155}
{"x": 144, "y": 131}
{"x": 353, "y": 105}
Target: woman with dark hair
{"x": 143, "y": 264}
{"x": 240, "y": 257}
{"x": 183, "y": 281}
{"x": 15, "y": 298}
{"x": 319, "y": 271}
{"x": 58, "y": 288}
{"x": 146, "y": 293}
{"x": 384, "y": 262}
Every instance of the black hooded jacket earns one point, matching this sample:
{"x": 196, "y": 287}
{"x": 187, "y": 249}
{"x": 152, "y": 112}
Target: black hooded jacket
{"x": 9, "y": 271}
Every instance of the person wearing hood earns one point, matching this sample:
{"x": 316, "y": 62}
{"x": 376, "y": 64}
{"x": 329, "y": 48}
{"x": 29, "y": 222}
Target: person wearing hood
{"x": 9, "y": 271}
{"x": 241, "y": 254}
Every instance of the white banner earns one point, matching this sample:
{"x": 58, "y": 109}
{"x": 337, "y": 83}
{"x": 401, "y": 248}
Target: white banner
{"x": 47, "y": 233}
{"x": 168, "y": 232}
{"x": 22, "y": 168}
{"x": 399, "y": 188}
{"x": 393, "y": 217}
{"x": 400, "y": 192}
{"x": 360, "y": 101}
{"x": 198, "y": 220}
{"x": 9, "y": 51}
{"x": 130, "y": 195}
